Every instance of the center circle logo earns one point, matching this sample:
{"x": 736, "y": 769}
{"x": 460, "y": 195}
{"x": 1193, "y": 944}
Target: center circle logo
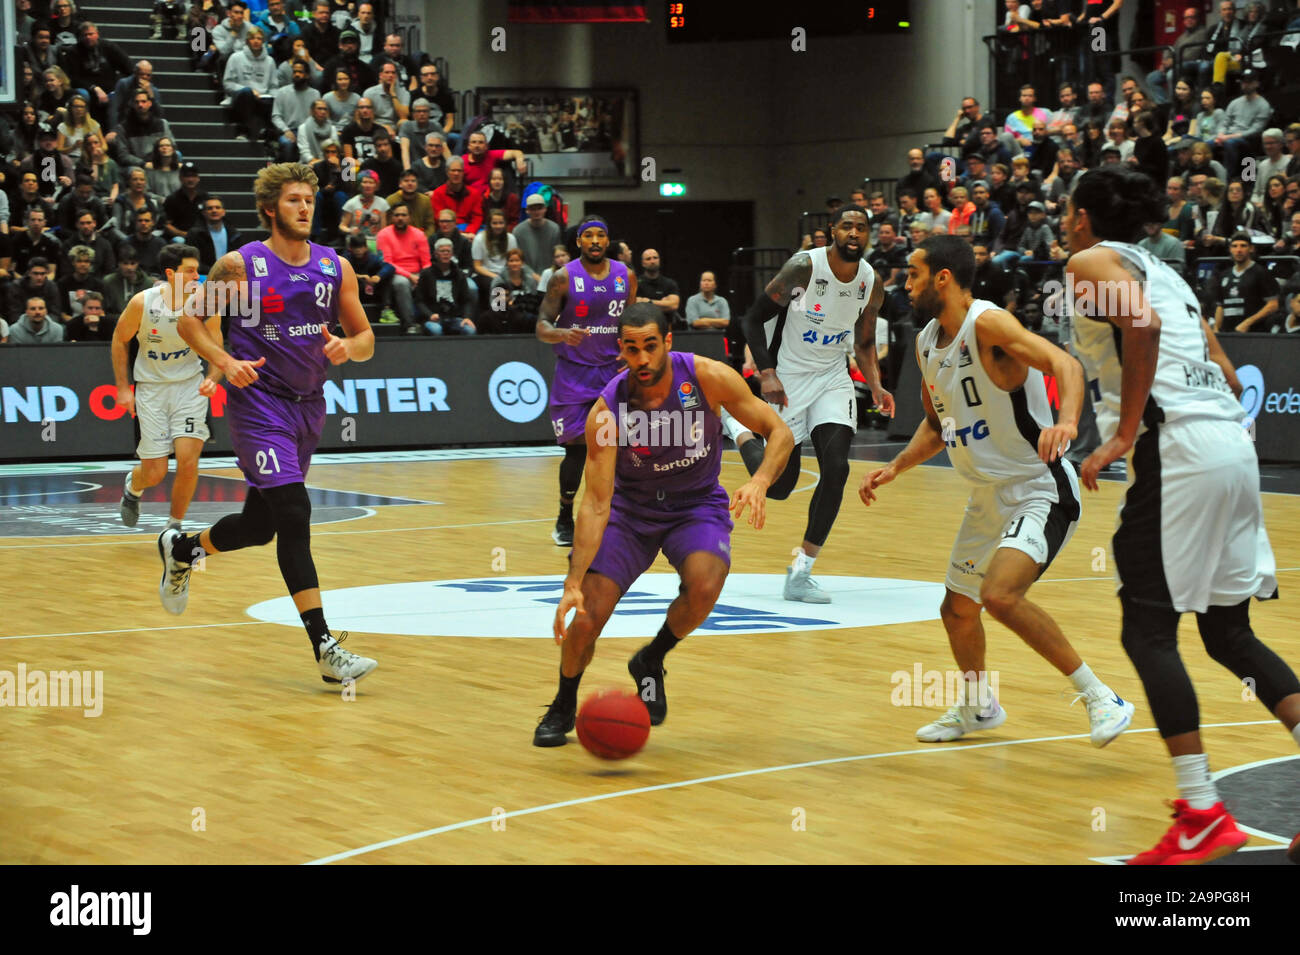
{"x": 517, "y": 391}
{"x": 525, "y": 606}
{"x": 1252, "y": 389}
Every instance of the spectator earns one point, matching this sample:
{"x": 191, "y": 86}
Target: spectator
{"x": 935, "y": 215}
{"x": 431, "y": 167}
{"x": 658, "y": 289}
{"x": 135, "y": 200}
{"x": 39, "y": 51}
{"x": 384, "y": 163}
{"x": 76, "y": 127}
{"x": 392, "y": 103}
{"x": 537, "y": 235}
{"x": 135, "y": 138}
{"x": 1208, "y": 194}
{"x": 1097, "y": 108}
{"x": 1117, "y": 136}
{"x": 1272, "y": 163}
{"x": 33, "y": 243}
{"x": 366, "y": 213}
{"x": 962, "y": 210}
{"x": 321, "y": 36}
{"x": 333, "y": 192}
{"x": 880, "y": 213}
{"x": 1182, "y": 113}
{"x": 374, "y": 277}
{"x": 86, "y": 235}
{"x": 407, "y": 251}
{"x": 1247, "y": 115}
{"x": 497, "y": 197}
{"x": 707, "y": 309}
{"x": 291, "y": 107}
{"x": 35, "y": 328}
{"x": 989, "y": 147}
{"x": 480, "y": 161}
{"x": 1020, "y": 123}
{"x": 315, "y": 72}
{"x": 213, "y": 237}
{"x": 413, "y": 133}
{"x": 347, "y": 58}
{"x": 1273, "y": 218}
{"x": 147, "y": 245}
{"x": 54, "y": 98}
{"x": 991, "y": 281}
{"x": 38, "y": 281}
{"x": 1002, "y": 188}
{"x": 1069, "y": 112}
{"x": 1203, "y": 161}
{"x": 64, "y": 22}
{"x": 342, "y": 102}
{"x": 514, "y": 297}
{"x": 442, "y": 102}
{"x": 889, "y": 256}
{"x": 280, "y": 28}
{"x": 126, "y": 282}
{"x": 1289, "y": 244}
{"x": 163, "y": 171}
{"x": 1017, "y": 220}
{"x": 314, "y": 132}
{"x": 141, "y": 78}
{"x": 228, "y": 37}
{"x": 417, "y": 204}
{"x": 908, "y": 211}
{"x": 1161, "y": 80}
{"x": 1189, "y": 48}
{"x": 559, "y": 259}
{"x": 367, "y": 31}
{"x": 358, "y": 137}
{"x": 184, "y": 207}
{"x": 1041, "y": 151}
{"x": 1149, "y": 150}
{"x": 45, "y": 158}
{"x": 1291, "y": 139}
{"x": 249, "y": 84}
{"x": 1036, "y": 240}
{"x": 25, "y": 131}
{"x": 1293, "y": 315}
{"x": 623, "y": 252}
{"x": 465, "y": 202}
{"x": 976, "y": 168}
{"x": 1164, "y": 246}
{"x": 81, "y": 198}
{"x": 1181, "y": 224}
{"x": 964, "y": 129}
{"x": 1060, "y": 184}
{"x": 1238, "y": 213}
{"x": 408, "y": 68}
{"x": 94, "y": 66}
{"x": 489, "y": 250}
{"x": 1110, "y": 154}
{"x": 79, "y": 282}
{"x": 987, "y": 220}
{"x": 442, "y": 299}
{"x": 917, "y": 178}
{"x": 1250, "y": 53}
{"x": 1124, "y": 107}
{"x": 28, "y": 197}
{"x": 1245, "y": 293}
{"x": 1210, "y": 121}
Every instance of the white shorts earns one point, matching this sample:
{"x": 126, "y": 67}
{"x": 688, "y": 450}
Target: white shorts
{"x": 818, "y": 399}
{"x": 167, "y": 411}
{"x": 1037, "y": 517}
{"x": 1191, "y": 530}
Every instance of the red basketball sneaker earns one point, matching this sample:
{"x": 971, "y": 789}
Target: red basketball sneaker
{"x": 1197, "y": 835}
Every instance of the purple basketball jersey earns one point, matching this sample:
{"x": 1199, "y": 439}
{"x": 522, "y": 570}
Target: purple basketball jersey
{"x": 671, "y": 453}
{"x": 291, "y": 304}
{"x": 593, "y": 304}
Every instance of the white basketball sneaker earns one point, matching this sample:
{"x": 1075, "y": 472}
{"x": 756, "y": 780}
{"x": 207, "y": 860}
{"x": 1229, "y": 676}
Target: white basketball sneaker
{"x": 799, "y": 585}
{"x": 962, "y": 720}
{"x": 1107, "y": 713}
{"x": 338, "y": 665}
{"x": 174, "y": 588}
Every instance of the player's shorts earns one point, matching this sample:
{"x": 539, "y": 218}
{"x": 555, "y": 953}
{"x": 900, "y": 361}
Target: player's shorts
{"x": 574, "y": 389}
{"x": 635, "y": 535}
{"x": 1037, "y": 517}
{"x": 818, "y": 399}
{"x": 273, "y": 436}
{"x": 165, "y": 411}
{"x": 1191, "y": 530}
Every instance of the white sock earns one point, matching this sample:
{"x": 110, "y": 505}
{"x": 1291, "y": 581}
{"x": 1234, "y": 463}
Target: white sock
{"x": 174, "y": 522}
{"x": 1194, "y": 783}
{"x": 732, "y": 428}
{"x": 1295, "y": 732}
{"x": 978, "y": 694}
{"x": 803, "y": 564}
{"x": 1084, "y": 679}
{"x": 130, "y": 488}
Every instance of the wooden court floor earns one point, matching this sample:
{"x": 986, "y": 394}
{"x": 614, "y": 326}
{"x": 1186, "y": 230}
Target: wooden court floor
{"x": 218, "y": 742}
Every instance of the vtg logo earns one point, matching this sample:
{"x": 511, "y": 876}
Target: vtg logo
{"x": 977, "y": 432}
{"x": 517, "y": 391}
{"x": 811, "y": 337}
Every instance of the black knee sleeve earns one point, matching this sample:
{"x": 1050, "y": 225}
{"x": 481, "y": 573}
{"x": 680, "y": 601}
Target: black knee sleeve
{"x": 783, "y": 485}
{"x": 1231, "y": 643}
{"x": 291, "y": 511}
{"x": 1150, "y": 638}
{"x": 575, "y": 459}
{"x": 252, "y": 527}
{"x": 831, "y": 442}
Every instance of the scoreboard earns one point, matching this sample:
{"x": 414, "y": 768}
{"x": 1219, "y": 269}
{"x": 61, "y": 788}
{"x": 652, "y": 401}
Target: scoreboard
{"x": 718, "y": 21}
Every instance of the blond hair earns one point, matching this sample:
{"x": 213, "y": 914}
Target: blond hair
{"x": 270, "y": 183}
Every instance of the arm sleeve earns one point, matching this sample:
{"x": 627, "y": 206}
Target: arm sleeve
{"x": 759, "y": 313}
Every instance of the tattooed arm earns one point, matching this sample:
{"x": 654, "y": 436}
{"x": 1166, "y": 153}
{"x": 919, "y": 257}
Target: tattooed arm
{"x": 228, "y": 270}
{"x": 787, "y": 285}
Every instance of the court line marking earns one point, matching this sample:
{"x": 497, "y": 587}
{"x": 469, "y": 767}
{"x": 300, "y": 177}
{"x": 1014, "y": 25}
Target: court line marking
{"x": 1233, "y": 770}
{"x": 87, "y": 486}
{"x": 1121, "y": 860}
{"x": 681, "y": 784}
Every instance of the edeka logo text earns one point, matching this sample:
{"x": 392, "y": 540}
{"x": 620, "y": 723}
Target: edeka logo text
{"x": 517, "y": 391}
{"x": 377, "y": 395}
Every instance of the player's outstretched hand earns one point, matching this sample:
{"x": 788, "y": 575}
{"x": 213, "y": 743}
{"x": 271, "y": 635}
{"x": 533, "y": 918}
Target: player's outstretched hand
{"x": 873, "y": 480}
{"x": 336, "y": 349}
{"x": 1053, "y": 441}
{"x": 572, "y": 600}
{"x": 126, "y": 400}
{"x": 1111, "y": 451}
{"x": 207, "y": 388}
{"x": 241, "y": 374}
{"x": 774, "y": 391}
{"x": 754, "y": 497}
{"x": 884, "y": 402}
{"x": 574, "y": 336}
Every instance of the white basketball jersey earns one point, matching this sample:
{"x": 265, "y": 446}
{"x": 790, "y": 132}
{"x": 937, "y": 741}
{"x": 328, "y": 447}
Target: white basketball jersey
{"x": 163, "y": 356}
{"x": 819, "y": 323}
{"x": 1187, "y": 383}
{"x": 992, "y": 435}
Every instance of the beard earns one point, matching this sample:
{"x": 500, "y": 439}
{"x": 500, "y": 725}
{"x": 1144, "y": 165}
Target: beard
{"x": 656, "y": 376}
{"x": 289, "y": 228}
{"x": 850, "y": 255}
{"x": 927, "y": 306}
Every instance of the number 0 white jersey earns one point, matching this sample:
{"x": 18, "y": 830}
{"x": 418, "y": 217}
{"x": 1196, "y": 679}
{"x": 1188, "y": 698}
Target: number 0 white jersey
{"x": 819, "y": 323}
{"x": 992, "y": 435}
{"x": 1187, "y": 383}
{"x": 163, "y": 356}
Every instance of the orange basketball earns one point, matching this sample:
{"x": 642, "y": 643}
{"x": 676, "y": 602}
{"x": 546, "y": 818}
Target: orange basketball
{"x": 613, "y": 724}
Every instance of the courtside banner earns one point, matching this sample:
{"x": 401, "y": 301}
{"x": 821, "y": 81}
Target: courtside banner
{"x": 59, "y": 401}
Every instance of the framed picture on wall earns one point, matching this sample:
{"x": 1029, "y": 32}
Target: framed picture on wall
{"x": 9, "y": 66}
{"x": 572, "y": 137}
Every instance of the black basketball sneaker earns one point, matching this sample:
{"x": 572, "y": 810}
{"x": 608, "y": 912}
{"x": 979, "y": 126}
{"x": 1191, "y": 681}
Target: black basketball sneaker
{"x": 649, "y": 677}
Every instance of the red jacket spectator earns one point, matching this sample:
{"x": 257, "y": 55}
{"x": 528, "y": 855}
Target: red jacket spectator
{"x": 467, "y": 203}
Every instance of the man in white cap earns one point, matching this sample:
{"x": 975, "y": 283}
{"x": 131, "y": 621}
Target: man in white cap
{"x": 537, "y": 235}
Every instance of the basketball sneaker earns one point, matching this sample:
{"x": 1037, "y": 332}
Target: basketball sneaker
{"x": 799, "y": 585}
{"x": 1107, "y": 713}
{"x": 563, "y": 533}
{"x": 174, "y": 588}
{"x": 130, "y": 509}
{"x": 338, "y": 665}
{"x": 1197, "y": 835}
{"x": 961, "y": 720}
{"x": 642, "y": 670}
{"x": 554, "y": 726}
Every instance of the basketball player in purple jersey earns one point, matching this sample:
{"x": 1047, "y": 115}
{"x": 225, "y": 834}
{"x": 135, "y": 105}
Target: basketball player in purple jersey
{"x": 279, "y": 352}
{"x": 654, "y": 452}
{"x": 579, "y": 316}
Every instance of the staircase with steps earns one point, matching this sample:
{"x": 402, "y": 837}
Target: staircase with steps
{"x": 226, "y": 165}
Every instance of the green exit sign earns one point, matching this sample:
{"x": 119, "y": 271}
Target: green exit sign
{"x": 672, "y": 189}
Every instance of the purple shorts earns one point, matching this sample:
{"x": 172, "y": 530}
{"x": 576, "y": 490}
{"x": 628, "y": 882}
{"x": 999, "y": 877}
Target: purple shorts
{"x": 574, "y": 390}
{"x": 634, "y": 537}
{"x": 273, "y": 437}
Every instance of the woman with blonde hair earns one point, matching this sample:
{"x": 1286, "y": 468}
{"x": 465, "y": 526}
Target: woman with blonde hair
{"x": 78, "y": 125}
{"x": 53, "y": 103}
